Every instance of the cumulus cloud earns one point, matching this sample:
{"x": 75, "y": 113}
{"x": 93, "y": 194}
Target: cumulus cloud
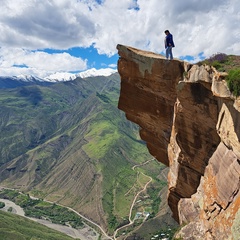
{"x": 46, "y": 24}
{"x": 204, "y": 26}
{"x": 15, "y": 61}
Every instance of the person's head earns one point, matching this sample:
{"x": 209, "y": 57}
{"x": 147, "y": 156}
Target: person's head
{"x": 166, "y": 32}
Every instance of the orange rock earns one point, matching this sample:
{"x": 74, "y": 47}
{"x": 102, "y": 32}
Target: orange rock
{"x": 190, "y": 122}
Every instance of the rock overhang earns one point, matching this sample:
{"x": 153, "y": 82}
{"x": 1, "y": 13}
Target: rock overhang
{"x": 179, "y": 107}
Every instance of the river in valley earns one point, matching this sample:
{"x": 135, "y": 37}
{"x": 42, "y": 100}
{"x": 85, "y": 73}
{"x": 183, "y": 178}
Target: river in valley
{"x": 85, "y": 233}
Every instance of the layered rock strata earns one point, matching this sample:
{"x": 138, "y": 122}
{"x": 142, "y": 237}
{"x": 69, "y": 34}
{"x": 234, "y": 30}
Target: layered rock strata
{"x": 191, "y": 123}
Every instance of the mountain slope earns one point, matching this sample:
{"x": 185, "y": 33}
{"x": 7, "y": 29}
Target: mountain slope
{"x": 19, "y": 228}
{"x": 69, "y": 143}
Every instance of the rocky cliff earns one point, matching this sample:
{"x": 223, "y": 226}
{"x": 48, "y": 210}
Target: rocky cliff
{"x": 190, "y": 122}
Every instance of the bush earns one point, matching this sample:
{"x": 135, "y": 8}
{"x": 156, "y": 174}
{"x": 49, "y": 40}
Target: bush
{"x": 216, "y": 64}
{"x": 233, "y": 81}
{"x": 2, "y": 204}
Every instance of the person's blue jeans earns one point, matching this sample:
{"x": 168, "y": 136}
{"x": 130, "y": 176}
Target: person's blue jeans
{"x": 169, "y": 52}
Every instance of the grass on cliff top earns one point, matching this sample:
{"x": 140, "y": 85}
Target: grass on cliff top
{"x": 229, "y": 64}
{"x": 19, "y": 228}
{"x": 222, "y": 62}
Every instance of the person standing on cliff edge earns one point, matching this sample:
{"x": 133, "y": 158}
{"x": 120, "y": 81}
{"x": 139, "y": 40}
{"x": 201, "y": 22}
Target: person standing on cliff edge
{"x": 169, "y": 44}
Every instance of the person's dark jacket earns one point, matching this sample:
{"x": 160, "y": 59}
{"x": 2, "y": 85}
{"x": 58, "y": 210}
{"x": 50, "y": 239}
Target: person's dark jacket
{"x": 169, "y": 41}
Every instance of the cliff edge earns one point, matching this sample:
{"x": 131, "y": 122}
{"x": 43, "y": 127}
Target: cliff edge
{"x": 191, "y": 123}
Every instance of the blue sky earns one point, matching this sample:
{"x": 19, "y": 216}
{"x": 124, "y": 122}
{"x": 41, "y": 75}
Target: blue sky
{"x": 69, "y": 36}
{"x": 94, "y": 60}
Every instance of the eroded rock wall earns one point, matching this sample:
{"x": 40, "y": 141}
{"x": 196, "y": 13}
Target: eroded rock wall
{"x": 190, "y": 122}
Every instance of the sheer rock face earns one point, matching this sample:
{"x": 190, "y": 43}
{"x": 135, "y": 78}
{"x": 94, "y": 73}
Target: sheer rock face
{"x": 191, "y": 123}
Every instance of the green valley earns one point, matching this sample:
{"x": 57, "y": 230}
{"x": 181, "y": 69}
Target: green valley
{"x": 69, "y": 143}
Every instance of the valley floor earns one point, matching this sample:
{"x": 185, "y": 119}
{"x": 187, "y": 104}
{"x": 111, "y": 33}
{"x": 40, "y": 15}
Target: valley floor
{"x": 85, "y": 233}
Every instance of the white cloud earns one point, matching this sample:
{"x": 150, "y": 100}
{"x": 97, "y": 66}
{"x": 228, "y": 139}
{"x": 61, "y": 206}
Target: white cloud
{"x": 198, "y": 26}
{"x": 37, "y": 62}
{"x": 46, "y": 24}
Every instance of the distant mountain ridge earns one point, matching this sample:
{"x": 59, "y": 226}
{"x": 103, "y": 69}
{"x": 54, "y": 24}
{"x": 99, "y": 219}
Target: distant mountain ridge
{"x": 26, "y": 80}
{"x": 13, "y": 82}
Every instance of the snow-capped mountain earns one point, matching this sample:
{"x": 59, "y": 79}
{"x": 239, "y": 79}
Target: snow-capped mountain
{"x": 100, "y": 72}
{"x": 27, "y": 78}
{"x": 20, "y": 81}
{"x": 93, "y": 72}
{"x": 24, "y": 80}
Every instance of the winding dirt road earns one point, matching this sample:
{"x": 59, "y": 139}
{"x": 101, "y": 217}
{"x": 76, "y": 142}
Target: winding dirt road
{"x": 134, "y": 200}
